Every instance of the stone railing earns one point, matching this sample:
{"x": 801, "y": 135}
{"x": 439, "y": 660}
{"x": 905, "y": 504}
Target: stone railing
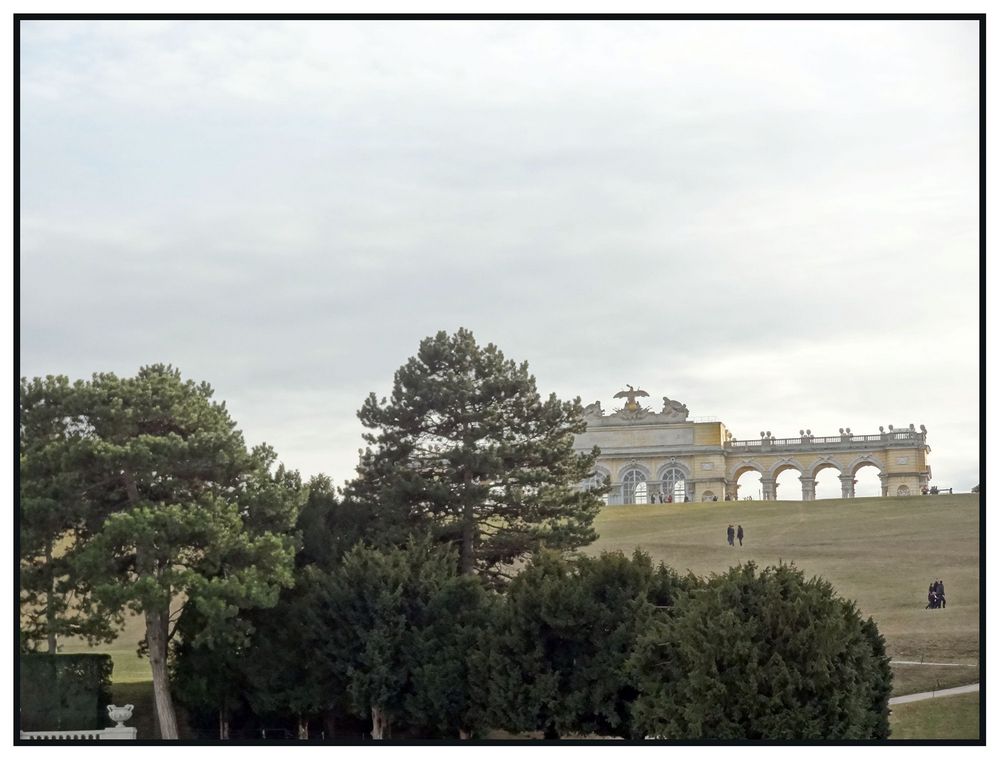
{"x": 118, "y": 732}
{"x": 842, "y": 441}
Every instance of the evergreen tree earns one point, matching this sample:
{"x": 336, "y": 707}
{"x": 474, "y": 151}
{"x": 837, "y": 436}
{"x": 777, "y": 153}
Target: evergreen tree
{"x": 188, "y": 517}
{"x": 393, "y": 626}
{"x": 763, "y": 655}
{"x": 53, "y": 517}
{"x": 466, "y": 449}
{"x": 561, "y": 663}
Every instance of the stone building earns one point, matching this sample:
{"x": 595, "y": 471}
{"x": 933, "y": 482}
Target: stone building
{"x": 652, "y": 455}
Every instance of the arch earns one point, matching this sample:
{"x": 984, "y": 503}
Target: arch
{"x": 865, "y": 460}
{"x": 789, "y": 464}
{"x": 744, "y": 467}
{"x": 752, "y": 489}
{"x": 903, "y": 490}
{"x": 634, "y": 466}
{"x": 822, "y": 464}
{"x": 597, "y": 480}
{"x": 707, "y": 496}
{"x": 634, "y": 488}
{"x": 868, "y": 479}
{"x": 685, "y": 471}
{"x": 674, "y": 482}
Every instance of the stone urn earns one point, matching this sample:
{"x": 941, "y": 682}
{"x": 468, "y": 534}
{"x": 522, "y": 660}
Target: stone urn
{"x": 120, "y": 714}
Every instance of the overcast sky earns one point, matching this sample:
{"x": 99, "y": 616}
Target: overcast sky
{"x": 772, "y": 222}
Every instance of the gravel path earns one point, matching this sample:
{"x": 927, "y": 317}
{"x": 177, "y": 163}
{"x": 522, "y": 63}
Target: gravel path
{"x": 933, "y": 694}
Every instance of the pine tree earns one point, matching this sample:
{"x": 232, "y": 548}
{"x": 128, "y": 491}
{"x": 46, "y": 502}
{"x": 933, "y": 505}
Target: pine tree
{"x": 53, "y": 517}
{"x": 186, "y": 515}
{"x": 465, "y": 448}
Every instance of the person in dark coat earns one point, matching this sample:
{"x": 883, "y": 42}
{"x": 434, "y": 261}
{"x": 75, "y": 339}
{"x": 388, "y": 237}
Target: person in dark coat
{"x": 729, "y": 535}
{"x": 939, "y": 588}
{"x": 739, "y": 533}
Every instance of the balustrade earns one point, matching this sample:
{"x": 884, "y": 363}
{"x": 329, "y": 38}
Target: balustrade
{"x": 906, "y": 438}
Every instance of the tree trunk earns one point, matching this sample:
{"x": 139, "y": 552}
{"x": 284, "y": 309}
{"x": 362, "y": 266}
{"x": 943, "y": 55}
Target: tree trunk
{"x": 156, "y": 639}
{"x": 303, "y": 729}
{"x": 224, "y": 721}
{"x": 467, "y": 557}
{"x": 50, "y": 602}
{"x": 380, "y": 723}
{"x": 463, "y": 734}
{"x": 550, "y": 732}
{"x": 330, "y": 723}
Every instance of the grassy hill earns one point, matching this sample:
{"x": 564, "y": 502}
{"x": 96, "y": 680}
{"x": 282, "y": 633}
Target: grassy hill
{"x": 880, "y": 552}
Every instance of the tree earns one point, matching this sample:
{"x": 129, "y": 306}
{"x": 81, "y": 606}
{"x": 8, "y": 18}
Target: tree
{"x": 561, "y": 662}
{"x": 53, "y": 519}
{"x": 189, "y": 518}
{"x": 393, "y": 625}
{"x": 763, "y": 655}
{"x": 466, "y": 449}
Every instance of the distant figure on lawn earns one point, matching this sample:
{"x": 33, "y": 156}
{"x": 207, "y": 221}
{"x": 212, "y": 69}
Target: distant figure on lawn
{"x": 739, "y": 533}
{"x": 935, "y": 596}
{"x": 729, "y": 535}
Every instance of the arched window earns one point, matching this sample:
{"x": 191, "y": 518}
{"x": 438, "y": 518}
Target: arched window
{"x": 596, "y": 481}
{"x": 707, "y": 496}
{"x": 674, "y": 484}
{"x": 634, "y": 488}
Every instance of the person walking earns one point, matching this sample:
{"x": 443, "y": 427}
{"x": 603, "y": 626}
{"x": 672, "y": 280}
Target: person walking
{"x": 739, "y": 533}
{"x": 729, "y": 535}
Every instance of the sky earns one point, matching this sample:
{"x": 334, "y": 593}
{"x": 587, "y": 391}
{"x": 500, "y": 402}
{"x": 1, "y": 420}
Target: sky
{"x": 775, "y": 223}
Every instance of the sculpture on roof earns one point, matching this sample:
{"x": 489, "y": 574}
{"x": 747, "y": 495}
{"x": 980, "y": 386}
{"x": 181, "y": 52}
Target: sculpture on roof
{"x": 674, "y": 411}
{"x": 631, "y": 404}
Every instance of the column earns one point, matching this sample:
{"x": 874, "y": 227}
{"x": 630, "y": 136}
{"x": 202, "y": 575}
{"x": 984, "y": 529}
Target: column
{"x": 884, "y": 479}
{"x": 847, "y": 486}
{"x": 768, "y": 489}
{"x": 730, "y": 490}
{"x": 808, "y": 488}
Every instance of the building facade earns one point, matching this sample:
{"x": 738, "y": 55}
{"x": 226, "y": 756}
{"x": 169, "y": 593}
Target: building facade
{"x": 658, "y": 456}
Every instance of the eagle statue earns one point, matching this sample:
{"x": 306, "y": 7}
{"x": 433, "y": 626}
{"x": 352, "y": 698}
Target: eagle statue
{"x": 630, "y": 396}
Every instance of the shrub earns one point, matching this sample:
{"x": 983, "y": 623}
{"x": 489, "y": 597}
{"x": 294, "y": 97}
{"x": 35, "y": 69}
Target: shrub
{"x": 763, "y": 655}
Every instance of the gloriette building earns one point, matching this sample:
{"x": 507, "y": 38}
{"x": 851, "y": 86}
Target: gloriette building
{"x": 651, "y": 455}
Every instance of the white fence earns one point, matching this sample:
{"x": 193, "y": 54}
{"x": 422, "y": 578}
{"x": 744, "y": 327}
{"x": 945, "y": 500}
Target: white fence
{"x": 118, "y": 732}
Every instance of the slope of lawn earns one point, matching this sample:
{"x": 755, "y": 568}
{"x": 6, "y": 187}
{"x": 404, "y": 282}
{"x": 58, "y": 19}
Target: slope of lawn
{"x": 954, "y": 717}
{"x": 880, "y": 552}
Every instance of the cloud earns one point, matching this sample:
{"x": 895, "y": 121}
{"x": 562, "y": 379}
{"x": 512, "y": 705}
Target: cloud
{"x": 774, "y": 222}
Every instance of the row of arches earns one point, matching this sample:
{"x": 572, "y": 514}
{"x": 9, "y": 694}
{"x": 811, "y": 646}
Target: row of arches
{"x": 788, "y": 484}
{"x": 788, "y": 480}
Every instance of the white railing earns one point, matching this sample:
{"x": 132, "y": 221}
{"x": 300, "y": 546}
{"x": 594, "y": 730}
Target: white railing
{"x": 118, "y": 732}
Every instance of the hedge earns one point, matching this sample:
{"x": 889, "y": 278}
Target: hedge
{"x": 62, "y": 692}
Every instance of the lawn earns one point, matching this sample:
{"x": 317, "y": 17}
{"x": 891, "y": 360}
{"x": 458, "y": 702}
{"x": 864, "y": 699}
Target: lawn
{"x": 880, "y": 552}
{"x": 942, "y": 718}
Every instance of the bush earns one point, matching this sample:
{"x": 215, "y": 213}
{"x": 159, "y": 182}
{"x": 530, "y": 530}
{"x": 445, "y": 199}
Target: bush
{"x": 61, "y": 692}
{"x": 763, "y": 655}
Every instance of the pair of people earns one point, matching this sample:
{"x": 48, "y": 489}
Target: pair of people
{"x": 738, "y": 534}
{"x": 935, "y": 596}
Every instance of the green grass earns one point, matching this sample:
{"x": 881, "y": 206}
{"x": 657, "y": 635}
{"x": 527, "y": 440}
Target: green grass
{"x": 941, "y": 718}
{"x": 910, "y": 679}
{"x": 880, "y": 552}
{"x": 128, "y": 666}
